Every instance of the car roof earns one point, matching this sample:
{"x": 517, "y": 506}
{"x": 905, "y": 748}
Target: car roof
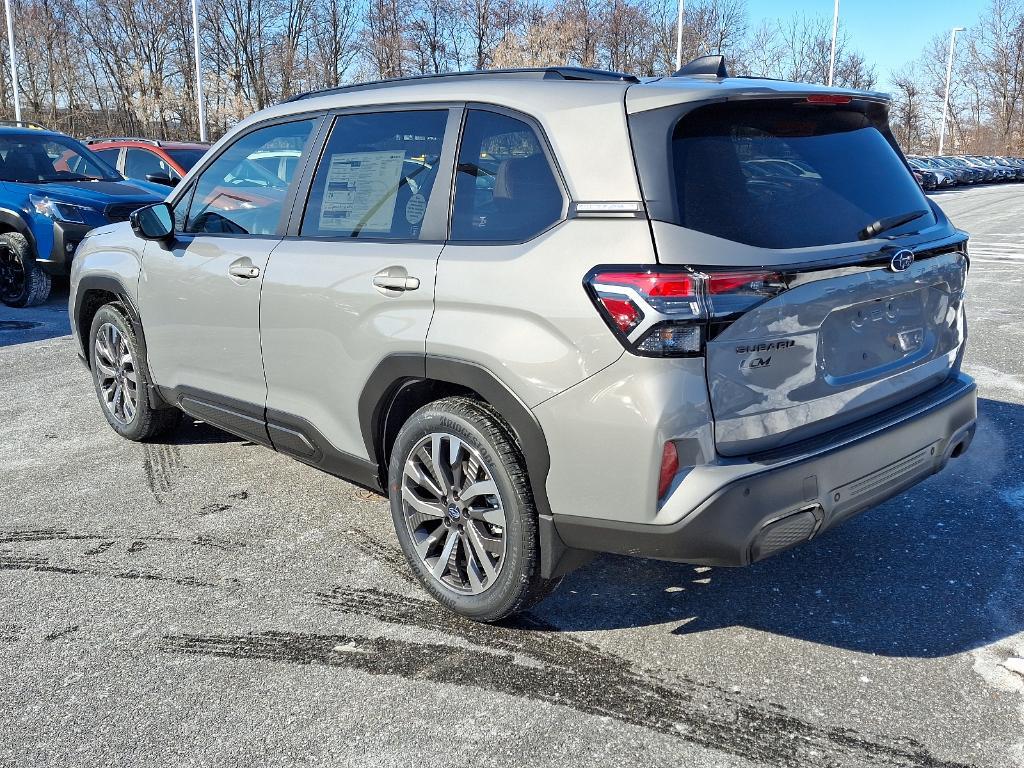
{"x": 9, "y": 130}
{"x": 564, "y": 101}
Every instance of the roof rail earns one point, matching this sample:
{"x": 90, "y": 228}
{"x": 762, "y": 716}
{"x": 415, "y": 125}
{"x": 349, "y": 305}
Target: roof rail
{"x": 23, "y": 124}
{"x": 534, "y": 73}
{"x": 704, "y": 65}
{"x": 101, "y": 140}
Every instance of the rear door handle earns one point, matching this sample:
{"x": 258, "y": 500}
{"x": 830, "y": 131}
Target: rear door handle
{"x": 395, "y": 280}
{"x": 244, "y": 269}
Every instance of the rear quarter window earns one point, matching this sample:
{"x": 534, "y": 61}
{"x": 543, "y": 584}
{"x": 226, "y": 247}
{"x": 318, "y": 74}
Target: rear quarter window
{"x": 785, "y": 175}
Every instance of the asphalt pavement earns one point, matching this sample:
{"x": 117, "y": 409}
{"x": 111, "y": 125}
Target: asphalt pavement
{"x": 208, "y": 602}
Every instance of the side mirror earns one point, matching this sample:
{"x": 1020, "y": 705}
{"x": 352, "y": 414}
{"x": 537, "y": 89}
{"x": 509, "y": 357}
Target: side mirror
{"x": 161, "y": 178}
{"x": 154, "y": 222}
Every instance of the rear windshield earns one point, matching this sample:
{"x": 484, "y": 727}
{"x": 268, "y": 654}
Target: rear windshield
{"x": 787, "y": 175}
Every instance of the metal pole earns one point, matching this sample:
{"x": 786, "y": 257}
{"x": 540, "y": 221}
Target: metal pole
{"x": 201, "y": 107}
{"x": 679, "y": 37}
{"x": 832, "y": 55}
{"x": 949, "y": 75}
{"x": 14, "y": 62}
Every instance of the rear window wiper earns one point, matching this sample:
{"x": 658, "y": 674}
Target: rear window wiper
{"x": 889, "y": 222}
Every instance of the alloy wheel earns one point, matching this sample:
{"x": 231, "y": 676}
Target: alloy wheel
{"x": 116, "y": 374}
{"x": 12, "y": 275}
{"x": 454, "y": 513}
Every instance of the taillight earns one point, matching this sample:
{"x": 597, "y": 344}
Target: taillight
{"x": 666, "y": 312}
{"x": 829, "y": 98}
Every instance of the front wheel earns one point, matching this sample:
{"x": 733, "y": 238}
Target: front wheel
{"x": 23, "y": 283}
{"x": 464, "y": 512}
{"x": 121, "y": 379}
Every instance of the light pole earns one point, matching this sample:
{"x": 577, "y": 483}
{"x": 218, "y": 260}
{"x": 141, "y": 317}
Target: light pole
{"x": 201, "y": 107}
{"x": 14, "y": 62}
{"x": 832, "y": 55}
{"x": 949, "y": 75}
{"x": 679, "y": 37}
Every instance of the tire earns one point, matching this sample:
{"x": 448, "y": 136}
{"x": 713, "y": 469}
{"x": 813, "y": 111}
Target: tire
{"x": 486, "y": 456}
{"x": 110, "y": 338}
{"x": 23, "y": 283}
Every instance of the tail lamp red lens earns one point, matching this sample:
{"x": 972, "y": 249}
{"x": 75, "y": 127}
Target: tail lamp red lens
{"x": 669, "y": 467}
{"x": 666, "y": 312}
{"x": 623, "y": 312}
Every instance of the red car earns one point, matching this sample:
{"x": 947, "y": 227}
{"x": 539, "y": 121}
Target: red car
{"x": 162, "y": 162}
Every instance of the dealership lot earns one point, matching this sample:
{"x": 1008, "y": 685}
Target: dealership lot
{"x": 208, "y": 602}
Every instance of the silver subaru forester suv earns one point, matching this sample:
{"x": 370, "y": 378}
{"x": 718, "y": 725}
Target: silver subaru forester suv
{"x": 552, "y": 312}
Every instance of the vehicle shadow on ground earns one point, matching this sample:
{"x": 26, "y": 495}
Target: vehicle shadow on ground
{"x": 936, "y": 571}
{"x": 47, "y": 321}
{"x": 194, "y": 432}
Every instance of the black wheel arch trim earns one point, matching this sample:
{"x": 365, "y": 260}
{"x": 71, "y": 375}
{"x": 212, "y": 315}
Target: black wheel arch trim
{"x": 398, "y": 370}
{"x": 116, "y": 287}
{"x": 17, "y": 223}
{"x": 395, "y": 371}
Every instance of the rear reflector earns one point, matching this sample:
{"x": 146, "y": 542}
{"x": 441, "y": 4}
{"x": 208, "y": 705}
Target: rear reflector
{"x": 669, "y": 467}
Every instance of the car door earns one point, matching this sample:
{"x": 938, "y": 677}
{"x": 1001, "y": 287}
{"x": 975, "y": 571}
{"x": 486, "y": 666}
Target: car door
{"x": 354, "y": 280}
{"x": 200, "y": 296}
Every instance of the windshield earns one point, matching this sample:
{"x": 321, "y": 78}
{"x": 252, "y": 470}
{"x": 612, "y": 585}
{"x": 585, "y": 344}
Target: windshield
{"x": 788, "y": 175}
{"x": 186, "y": 158}
{"x": 35, "y": 159}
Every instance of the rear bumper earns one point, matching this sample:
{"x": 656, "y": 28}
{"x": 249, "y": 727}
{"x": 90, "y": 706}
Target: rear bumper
{"x": 783, "y": 499}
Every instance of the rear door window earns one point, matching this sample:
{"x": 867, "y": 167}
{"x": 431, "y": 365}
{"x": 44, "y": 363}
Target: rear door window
{"x": 505, "y": 189}
{"x": 376, "y": 176}
{"x": 788, "y": 175}
{"x": 109, "y": 156}
{"x": 139, "y": 163}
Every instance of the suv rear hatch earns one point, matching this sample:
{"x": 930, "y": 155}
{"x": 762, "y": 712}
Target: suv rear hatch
{"x": 834, "y": 311}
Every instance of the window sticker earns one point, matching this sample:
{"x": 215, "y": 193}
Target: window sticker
{"x": 362, "y": 191}
{"x": 415, "y": 208}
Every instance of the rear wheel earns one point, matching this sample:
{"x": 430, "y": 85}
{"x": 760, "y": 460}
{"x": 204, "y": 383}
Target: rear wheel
{"x": 463, "y": 510}
{"x": 23, "y": 283}
{"x": 122, "y": 380}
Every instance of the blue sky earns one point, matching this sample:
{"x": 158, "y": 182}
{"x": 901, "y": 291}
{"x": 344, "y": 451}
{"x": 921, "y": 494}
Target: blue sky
{"x": 888, "y": 32}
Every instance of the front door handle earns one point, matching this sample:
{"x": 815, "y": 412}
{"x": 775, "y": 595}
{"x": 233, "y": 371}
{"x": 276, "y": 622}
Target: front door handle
{"x": 396, "y": 283}
{"x": 395, "y": 280}
{"x": 244, "y": 269}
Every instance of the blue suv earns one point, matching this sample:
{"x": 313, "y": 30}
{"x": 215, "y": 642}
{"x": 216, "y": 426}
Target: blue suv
{"x": 52, "y": 191}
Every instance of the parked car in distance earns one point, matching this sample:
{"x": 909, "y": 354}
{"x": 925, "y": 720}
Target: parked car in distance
{"x": 584, "y": 353}
{"x": 965, "y": 174}
{"x": 941, "y": 178}
{"x": 53, "y": 190}
{"x": 159, "y": 162}
{"x": 926, "y": 179}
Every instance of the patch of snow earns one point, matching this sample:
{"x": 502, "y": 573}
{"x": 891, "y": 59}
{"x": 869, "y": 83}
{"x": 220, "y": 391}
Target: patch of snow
{"x": 1014, "y": 664}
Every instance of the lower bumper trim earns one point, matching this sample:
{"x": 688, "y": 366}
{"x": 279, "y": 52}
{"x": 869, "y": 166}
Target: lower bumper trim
{"x": 761, "y": 514}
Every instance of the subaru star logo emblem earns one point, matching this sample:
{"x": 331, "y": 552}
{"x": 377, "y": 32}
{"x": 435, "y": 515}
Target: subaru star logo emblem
{"x": 901, "y": 260}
